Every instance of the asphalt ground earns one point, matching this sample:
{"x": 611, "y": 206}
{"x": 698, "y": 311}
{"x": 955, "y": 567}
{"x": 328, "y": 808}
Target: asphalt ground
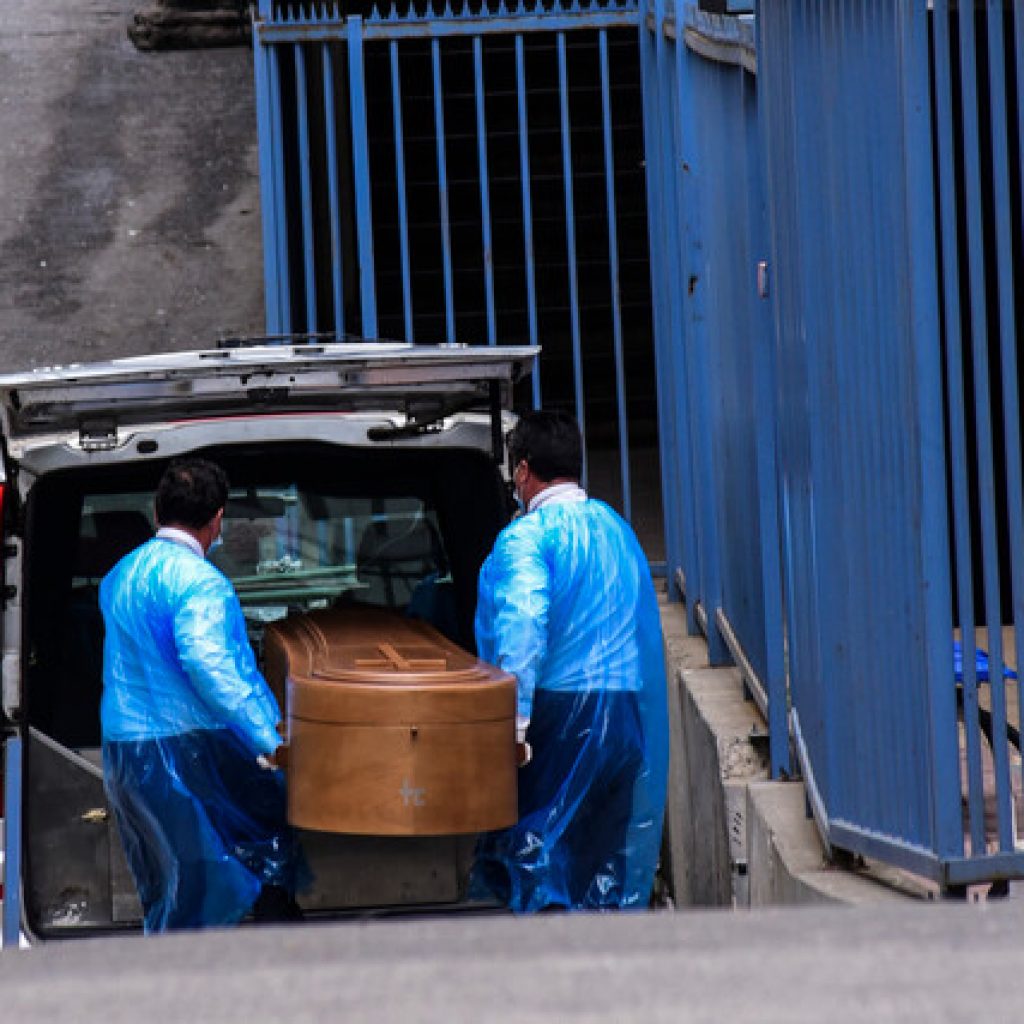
{"x": 129, "y": 193}
{"x": 911, "y": 962}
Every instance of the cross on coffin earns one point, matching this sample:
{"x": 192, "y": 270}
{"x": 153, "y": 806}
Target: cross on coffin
{"x": 392, "y": 659}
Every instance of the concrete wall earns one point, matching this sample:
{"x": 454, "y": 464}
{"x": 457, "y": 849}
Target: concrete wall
{"x": 129, "y": 206}
{"x": 713, "y": 761}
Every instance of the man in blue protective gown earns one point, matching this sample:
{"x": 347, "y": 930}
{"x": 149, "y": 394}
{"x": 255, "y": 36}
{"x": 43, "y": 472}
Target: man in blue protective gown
{"x": 567, "y": 605}
{"x": 190, "y": 725}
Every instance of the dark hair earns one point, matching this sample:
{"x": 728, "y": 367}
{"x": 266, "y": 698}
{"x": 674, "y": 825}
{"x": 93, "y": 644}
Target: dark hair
{"x": 190, "y": 493}
{"x": 549, "y": 443}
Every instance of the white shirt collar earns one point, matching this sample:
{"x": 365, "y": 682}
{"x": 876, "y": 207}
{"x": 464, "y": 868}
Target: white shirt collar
{"x": 172, "y": 533}
{"x": 556, "y": 494}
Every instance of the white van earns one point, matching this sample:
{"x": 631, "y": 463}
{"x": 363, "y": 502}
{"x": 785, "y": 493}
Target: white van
{"x": 358, "y": 471}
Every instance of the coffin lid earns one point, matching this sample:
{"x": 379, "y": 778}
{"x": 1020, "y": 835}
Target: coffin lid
{"x": 374, "y": 666}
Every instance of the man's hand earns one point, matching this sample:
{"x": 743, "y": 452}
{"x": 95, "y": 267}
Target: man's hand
{"x": 279, "y": 758}
{"x": 524, "y": 752}
{"x": 276, "y": 761}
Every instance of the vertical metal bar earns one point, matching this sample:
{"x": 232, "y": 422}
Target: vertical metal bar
{"x": 947, "y": 826}
{"x": 886, "y": 791}
{"x": 957, "y": 424}
{"x": 1018, "y": 24}
{"x": 766, "y": 442}
{"x": 790, "y": 668}
{"x": 306, "y": 188}
{"x": 675, "y": 241}
{"x": 12, "y": 751}
{"x": 333, "y": 195}
{"x": 524, "y": 177}
{"x": 853, "y": 789}
{"x": 613, "y": 266}
{"x": 442, "y": 187}
{"x": 694, "y": 325}
{"x": 986, "y": 477}
{"x": 1007, "y": 316}
{"x": 771, "y": 560}
{"x": 403, "y": 212}
{"x": 813, "y": 503}
{"x": 928, "y": 758}
{"x": 361, "y": 172}
{"x": 671, "y": 378}
{"x": 265, "y": 148}
{"x": 570, "y": 242}
{"x": 485, "y": 194}
{"x": 280, "y": 204}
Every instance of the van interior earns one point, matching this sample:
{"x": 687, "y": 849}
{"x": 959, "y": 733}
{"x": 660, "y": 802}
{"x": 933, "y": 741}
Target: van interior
{"x": 306, "y": 527}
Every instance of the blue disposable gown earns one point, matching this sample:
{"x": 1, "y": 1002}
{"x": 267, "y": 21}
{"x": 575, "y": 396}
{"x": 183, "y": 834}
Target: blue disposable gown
{"x": 185, "y": 714}
{"x": 567, "y": 605}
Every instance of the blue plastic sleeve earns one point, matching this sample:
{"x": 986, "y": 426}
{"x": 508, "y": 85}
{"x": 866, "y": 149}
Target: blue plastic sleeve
{"x": 209, "y": 634}
{"x": 512, "y": 611}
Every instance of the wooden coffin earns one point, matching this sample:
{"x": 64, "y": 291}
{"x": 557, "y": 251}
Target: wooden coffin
{"x": 393, "y": 730}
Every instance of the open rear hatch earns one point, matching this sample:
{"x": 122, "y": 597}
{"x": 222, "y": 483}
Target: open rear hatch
{"x": 97, "y": 401}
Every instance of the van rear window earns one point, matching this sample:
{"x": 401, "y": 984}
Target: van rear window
{"x": 289, "y": 549}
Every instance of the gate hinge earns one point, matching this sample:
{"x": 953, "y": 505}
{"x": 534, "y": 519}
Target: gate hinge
{"x": 98, "y": 435}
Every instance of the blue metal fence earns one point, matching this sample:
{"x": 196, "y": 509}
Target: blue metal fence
{"x": 978, "y": 55}
{"x": 849, "y": 458}
{"x": 468, "y": 176}
{"x": 894, "y": 204}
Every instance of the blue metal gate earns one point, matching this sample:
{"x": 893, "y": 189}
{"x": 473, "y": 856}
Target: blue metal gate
{"x": 893, "y": 136}
{"x": 978, "y": 145}
{"x": 860, "y": 415}
{"x": 846, "y": 462}
{"x": 470, "y": 176}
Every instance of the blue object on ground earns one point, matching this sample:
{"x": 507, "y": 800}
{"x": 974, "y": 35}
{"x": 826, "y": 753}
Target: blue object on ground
{"x": 980, "y": 664}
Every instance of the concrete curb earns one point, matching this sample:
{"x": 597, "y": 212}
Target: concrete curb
{"x": 787, "y": 864}
{"x": 733, "y": 836}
